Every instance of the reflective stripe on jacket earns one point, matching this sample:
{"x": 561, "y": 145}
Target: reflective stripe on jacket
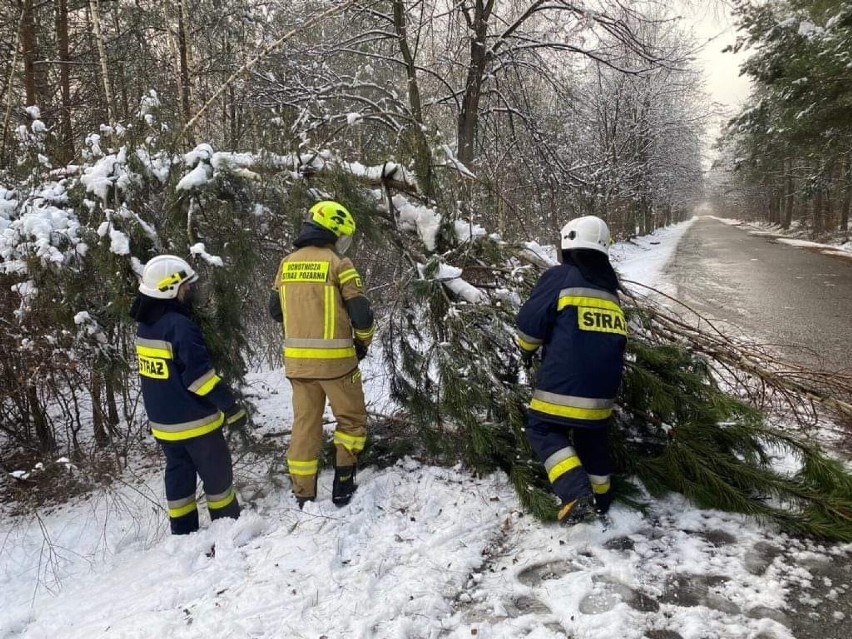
{"x": 583, "y": 332}
{"x": 183, "y": 395}
{"x": 314, "y": 284}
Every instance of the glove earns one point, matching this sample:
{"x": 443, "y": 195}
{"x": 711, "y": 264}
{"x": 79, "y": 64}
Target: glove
{"x": 360, "y": 350}
{"x": 236, "y": 416}
{"x": 527, "y": 357}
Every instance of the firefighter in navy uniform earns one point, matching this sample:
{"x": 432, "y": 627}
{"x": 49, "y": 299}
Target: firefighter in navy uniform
{"x": 186, "y": 401}
{"x": 318, "y": 297}
{"x": 574, "y": 316}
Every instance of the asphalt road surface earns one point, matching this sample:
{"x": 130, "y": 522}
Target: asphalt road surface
{"x": 799, "y": 301}
{"x": 795, "y": 299}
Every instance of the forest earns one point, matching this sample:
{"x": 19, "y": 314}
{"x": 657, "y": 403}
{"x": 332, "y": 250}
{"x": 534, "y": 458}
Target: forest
{"x": 456, "y": 133}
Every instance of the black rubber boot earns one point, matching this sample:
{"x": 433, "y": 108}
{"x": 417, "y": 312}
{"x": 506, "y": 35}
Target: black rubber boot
{"x": 603, "y": 502}
{"x": 577, "y": 511}
{"x": 303, "y": 500}
{"x": 344, "y": 485}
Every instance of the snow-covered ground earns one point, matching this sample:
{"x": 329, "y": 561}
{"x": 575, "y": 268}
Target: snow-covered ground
{"x": 420, "y": 552}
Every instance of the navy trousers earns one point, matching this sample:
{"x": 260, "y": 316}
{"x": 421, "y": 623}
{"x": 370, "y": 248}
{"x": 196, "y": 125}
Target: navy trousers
{"x": 576, "y": 459}
{"x": 206, "y": 457}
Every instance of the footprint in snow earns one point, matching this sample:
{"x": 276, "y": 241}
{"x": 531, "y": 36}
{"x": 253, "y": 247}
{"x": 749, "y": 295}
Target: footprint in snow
{"x": 717, "y": 537}
{"x": 760, "y": 556}
{"x": 534, "y": 575}
{"x": 608, "y": 591}
{"x": 523, "y": 605}
{"x": 689, "y": 590}
{"x": 662, "y": 634}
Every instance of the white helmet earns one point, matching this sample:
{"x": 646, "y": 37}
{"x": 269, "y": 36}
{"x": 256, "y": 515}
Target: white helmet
{"x": 587, "y": 232}
{"x": 163, "y": 275}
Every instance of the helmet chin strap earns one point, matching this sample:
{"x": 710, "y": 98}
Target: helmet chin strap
{"x": 343, "y": 243}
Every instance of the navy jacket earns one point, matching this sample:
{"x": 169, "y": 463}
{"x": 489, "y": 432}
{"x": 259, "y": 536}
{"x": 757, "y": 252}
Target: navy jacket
{"x": 183, "y": 395}
{"x": 582, "y": 330}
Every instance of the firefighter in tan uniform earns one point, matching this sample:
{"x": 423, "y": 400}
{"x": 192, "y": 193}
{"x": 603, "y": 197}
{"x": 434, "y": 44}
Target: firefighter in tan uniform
{"x": 319, "y": 298}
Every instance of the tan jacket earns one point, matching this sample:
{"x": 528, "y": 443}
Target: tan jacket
{"x": 313, "y": 285}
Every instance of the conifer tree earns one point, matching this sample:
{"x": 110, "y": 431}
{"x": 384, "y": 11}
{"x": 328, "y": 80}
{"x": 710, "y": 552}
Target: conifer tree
{"x": 456, "y": 372}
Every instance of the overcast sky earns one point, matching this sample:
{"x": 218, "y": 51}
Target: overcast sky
{"x": 715, "y": 30}
{"x": 713, "y": 26}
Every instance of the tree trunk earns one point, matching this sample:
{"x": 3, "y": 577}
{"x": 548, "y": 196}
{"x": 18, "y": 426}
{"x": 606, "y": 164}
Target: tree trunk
{"x": 421, "y": 151}
{"x": 121, "y": 69}
{"x": 112, "y": 406}
{"x": 773, "y": 207}
{"x": 94, "y": 9}
{"x": 9, "y": 89}
{"x": 66, "y": 146}
{"x": 469, "y": 117}
{"x": 846, "y": 185}
{"x": 30, "y": 49}
{"x": 44, "y": 434}
{"x": 101, "y": 437}
{"x": 790, "y": 197}
{"x": 818, "y": 212}
{"x": 186, "y": 107}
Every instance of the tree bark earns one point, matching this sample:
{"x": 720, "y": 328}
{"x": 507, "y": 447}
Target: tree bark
{"x": 28, "y": 43}
{"x": 9, "y": 92}
{"x": 66, "y": 147}
{"x": 186, "y": 107}
{"x": 790, "y": 196}
{"x": 121, "y": 69}
{"x": 101, "y": 437}
{"x": 469, "y": 116}
{"x": 112, "y": 405}
{"x": 773, "y": 209}
{"x": 421, "y": 151}
{"x": 818, "y": 211}
{"x": 43, "y": 432}
{"x": 94, "y": 9}
{"x": 846, "y": 185}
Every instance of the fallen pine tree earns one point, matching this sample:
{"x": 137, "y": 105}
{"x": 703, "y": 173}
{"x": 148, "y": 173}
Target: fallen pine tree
{"x": 699, "y": 413}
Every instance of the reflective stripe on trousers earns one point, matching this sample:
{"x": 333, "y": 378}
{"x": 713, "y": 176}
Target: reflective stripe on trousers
{"x": 181, "y": 507}
{"x": 304, "y": 468}
{"x": 600, "y": 484}
{"x": 570, "y": 406}
{"x": 353, "y": 443}
{"x": 220, "y": 500}
{"x": 561, "y": 462}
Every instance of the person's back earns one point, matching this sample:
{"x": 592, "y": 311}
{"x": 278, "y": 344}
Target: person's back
{"x": 574, "y": 316}
{"x": 187, "y": 403}
{"x": 583, "y": 354}
{"x": 171, "y": 370}
{"x": 328, "y": 324}
{"x": 318, "y": 342}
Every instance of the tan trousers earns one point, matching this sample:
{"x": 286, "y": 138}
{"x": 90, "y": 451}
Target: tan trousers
{"x": 346, "y": 396}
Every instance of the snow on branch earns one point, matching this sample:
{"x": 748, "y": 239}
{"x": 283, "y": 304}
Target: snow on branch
{"x": 207, "y": 164}
{"x": 40, "y": 225}
{"x": 451, "y": 277}
{"x": 201, "y": 250}
{"x": 454, "y": 162}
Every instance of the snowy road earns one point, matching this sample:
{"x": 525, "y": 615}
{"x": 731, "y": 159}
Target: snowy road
{"x": 796, "y": 299}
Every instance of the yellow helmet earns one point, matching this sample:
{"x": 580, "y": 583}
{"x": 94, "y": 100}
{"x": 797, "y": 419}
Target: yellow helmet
{"x": 332, "y": 216}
